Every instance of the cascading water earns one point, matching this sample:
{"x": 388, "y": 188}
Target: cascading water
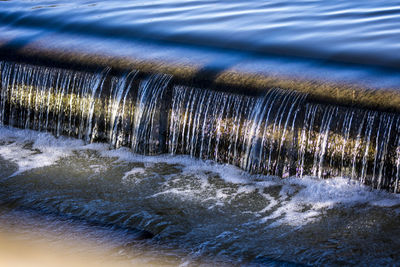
{"x": 120, "y": 110}
{"x": 148, "y": 129}
{"x": 254, "y": 133}
{"x": 50, "y": 99}
{"x": 361, "y": 144}
{"x": 280, "y": 133}
{"x": 209, "y": 125}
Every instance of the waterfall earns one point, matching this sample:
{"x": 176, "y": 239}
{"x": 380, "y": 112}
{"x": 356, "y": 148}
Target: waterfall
{"x": 120, "y": 110}
{"x": 278, "y": 132}
{"x": 355, "y": 143}
{"x": 148, "y": 129}
{"x": 207, "y": 124}
{"x": 50, "y": 99}
{"x": 251, "y": 132}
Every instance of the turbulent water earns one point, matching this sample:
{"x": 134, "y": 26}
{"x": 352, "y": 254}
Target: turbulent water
{"x": 199, "y": 212}
{"x": 228, "y": 206}
{"x": 277, "y": 132}
{"x": 150, "y": 168}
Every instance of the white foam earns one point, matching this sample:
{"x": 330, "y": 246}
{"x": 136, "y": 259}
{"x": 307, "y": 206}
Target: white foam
{"x": 129, "y": 176}
{"x": 317, "y": 195}
{"x": 228, "y": 172}
{"x": 299, "y": 201}
{"x": 31, "y": 149}
{"x": 339, "y": 190}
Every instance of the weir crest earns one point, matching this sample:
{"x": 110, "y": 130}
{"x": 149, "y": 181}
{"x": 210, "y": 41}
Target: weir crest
{"x": 276, "y": 132}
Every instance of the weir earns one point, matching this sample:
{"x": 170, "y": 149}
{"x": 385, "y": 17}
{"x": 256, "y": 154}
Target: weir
{"x": 274, "y": 131}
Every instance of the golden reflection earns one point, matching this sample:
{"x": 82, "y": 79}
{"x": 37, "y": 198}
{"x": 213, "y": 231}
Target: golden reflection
{"x": 27, "y": 250}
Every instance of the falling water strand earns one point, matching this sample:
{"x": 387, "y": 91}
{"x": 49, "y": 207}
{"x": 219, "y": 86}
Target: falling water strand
{"x": 279, "y": 132}
{"x": 292, "y": 115}
{"x": 48, "y": 99}
{"x": 5, "y": 80}
{"x": 148, "y": 111}
{"x": 326, "y": 132}
{"x": 306, "y": 132}
{"x": 257, "y": 119}
{"x": 118, "y": 108}
{"x": 346, "y": 133}
{"x": 381, "y": 151}
{"x": 219, "y": 126}
{"x": 397, "y": 162}
{"x": 368, "y": 134}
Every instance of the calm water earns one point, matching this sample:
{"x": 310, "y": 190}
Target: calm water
{"x": 353, "y": 31}
{"x": 277, "y": 37}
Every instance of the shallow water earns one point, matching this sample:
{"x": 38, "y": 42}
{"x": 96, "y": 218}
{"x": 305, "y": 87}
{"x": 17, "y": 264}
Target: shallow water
{"x": 199, "y": 212}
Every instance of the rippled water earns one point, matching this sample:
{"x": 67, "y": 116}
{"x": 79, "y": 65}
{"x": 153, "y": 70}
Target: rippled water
{"x": 187, "y": 211}
{"x": 199, "y": 212}
{"x": 352, "y": 31}
{"x": 300, "y": 39}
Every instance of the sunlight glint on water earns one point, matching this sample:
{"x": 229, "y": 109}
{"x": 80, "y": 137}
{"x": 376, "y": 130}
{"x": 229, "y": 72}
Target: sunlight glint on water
{"x": 279, "y": 133}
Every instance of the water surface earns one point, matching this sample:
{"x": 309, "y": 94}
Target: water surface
{"x": 199, "y": 212}
{"x": 292, "y": 38}
{"x": 176, "y": 210}
{"x": 352, "y": 31}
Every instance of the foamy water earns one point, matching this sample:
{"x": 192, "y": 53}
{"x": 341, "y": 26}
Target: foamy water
{"x": 196, "y": 210}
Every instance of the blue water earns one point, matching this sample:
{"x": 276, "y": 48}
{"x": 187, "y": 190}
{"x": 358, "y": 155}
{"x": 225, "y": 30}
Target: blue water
{"x": 353, "y": 31}
{"x": 296, "y": 38}
{"x": 201, "y": 209}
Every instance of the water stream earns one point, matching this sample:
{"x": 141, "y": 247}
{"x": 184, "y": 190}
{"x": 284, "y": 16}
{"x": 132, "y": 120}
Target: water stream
{"x": 199, "y": 133}
{"x": 198, "y": 212}
{"x": 277, "y": 132}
